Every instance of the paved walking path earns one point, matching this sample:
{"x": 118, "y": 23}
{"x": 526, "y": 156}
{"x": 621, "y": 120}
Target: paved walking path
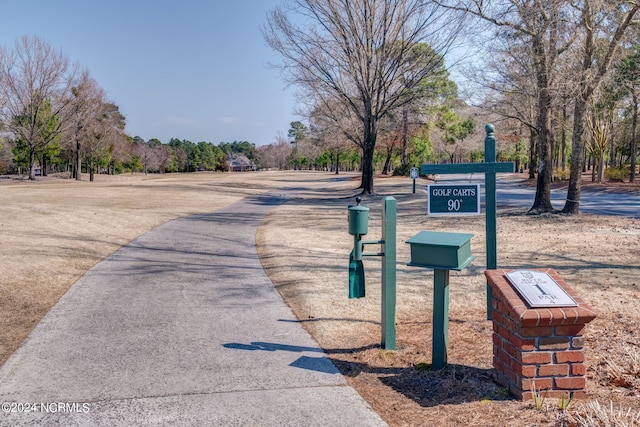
{"x": 183, "y": 328}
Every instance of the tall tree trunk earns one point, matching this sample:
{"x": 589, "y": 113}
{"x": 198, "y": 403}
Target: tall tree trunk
{"x": 78, "y": 162}
{"x": 542, "y": 202}
{"x": 387, "y": 161}
{"x": 612, "y": 153}
{"x": 43, "y": 168}
{"x": 572, "y": 204}
{"x": 32, "y": 164}
{"x": 368, "y": 148}
{"x": 367, "y": 171}
{"x": 563, "y": 155}
{"x": 601, "y": 167}
{"x": 553, "y": 143}
{"x": 405, "y": 137}
{"x": 633, "y": 145}
{"x": 532, "y": 154}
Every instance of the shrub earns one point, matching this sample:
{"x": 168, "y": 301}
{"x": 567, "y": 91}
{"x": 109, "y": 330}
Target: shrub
{"x": 561, "y": 174}
{"x": 618, "y": 173}
{"x": 402, "y": 170}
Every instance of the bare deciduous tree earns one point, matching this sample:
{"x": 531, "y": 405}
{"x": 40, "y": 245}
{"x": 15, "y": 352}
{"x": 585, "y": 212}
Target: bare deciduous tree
{"x": 35, "y": 89}
{"x": 604, "y": 24}
{"x": 540, "y": 23}
{"x": 330, "y": 125}
{"x": 599, "y": 125}
{"x": 104, "y": 130}
{"x": 551, "y": 27}
{"x": 507, "y": 77}
{"x": 627, "y": 78}
{"x": 276, "y": 155}
{"x": 88, "y": 99}
{"x": 361, "y": 53}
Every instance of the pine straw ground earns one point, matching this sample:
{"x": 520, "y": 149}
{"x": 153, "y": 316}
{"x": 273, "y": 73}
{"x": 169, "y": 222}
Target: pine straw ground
{"x": 304, "y": 246}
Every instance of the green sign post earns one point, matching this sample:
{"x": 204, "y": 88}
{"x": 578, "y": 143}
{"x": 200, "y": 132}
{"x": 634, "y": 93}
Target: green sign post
{"x": 490, "y": 167}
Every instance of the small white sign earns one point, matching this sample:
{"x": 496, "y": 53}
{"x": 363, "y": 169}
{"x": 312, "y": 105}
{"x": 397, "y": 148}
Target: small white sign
{"x": 413, "y": 172}
{"x": 539, "y": 289}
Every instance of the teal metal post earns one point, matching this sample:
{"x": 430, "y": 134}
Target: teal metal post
{"x": 440, "y": 318}
{"x": 389, "y": 273}
{"x": 491, "y": 210}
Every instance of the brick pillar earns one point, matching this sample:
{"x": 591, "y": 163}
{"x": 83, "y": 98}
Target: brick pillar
{"x": 538, "y": 349}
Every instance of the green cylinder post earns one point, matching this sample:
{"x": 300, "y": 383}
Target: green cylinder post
{"x": 358, "y": 217}
{"x": 357, "y": 247}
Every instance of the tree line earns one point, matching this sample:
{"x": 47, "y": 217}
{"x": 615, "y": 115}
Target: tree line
{"x": 55, "y": 117}
{"x": 560, "y": 77}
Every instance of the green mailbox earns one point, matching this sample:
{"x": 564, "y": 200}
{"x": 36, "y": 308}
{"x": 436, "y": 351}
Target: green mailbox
{"x": 433, "y": 249}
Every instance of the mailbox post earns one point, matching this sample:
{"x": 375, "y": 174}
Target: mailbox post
{"x": 442, "y": 252}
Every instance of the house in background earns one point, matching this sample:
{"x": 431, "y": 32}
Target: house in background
{"x": 240, "y": 163}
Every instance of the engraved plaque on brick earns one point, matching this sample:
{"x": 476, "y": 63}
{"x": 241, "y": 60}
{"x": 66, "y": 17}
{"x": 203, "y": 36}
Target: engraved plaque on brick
{"x": 539, "y": 289}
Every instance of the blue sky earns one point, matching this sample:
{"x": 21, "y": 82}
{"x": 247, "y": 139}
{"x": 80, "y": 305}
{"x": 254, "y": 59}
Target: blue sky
{"x": 189, "y": 69}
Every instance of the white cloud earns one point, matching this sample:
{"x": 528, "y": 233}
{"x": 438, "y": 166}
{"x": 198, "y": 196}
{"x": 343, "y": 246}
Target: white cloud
{"x": 181, "y": 121}
{"x": 229, "y": 120}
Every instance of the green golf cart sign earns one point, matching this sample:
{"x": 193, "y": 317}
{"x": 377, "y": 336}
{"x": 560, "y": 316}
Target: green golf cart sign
{"x": 454, "y": 199}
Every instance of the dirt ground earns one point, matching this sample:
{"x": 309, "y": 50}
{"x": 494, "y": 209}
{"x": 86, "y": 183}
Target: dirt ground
{"x": 598, "y": 256}
{"x": 54, "y": 230}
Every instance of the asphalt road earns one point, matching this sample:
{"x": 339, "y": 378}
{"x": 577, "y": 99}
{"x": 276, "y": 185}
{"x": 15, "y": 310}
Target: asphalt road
{"x": 512, "y": 193}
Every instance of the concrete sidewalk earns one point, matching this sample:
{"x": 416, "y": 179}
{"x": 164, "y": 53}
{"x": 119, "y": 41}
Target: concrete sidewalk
{"x": 183, "y": 328}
